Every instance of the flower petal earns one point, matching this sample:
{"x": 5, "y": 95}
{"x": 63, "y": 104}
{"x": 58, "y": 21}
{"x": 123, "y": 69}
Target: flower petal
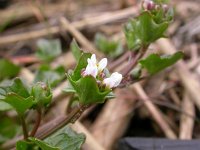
{"x": 117, "y": 78}
{"x": 91, "y": 70}
{"x": 93, "y": 59}
{"x": 114, "y": 80}
{"x": 102, "y": 64}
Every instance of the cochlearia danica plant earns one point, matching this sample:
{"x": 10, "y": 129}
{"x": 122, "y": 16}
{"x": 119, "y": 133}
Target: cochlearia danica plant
{"x": 92, "y": 81}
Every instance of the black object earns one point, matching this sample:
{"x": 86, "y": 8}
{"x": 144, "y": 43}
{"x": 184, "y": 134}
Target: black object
{"x": 157, "y": 144}
{"x": 4, "y": 3}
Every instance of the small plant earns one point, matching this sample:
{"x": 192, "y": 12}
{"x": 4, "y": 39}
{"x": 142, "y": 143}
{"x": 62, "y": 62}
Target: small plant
{"x": 90, "y": 81}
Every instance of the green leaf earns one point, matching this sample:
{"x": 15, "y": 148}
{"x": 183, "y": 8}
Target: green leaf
{"x": 42, "y": 94}
{"x": 4, "y": 106}
{"x": 25, "y": 145}
{"x": 34, "y": 144}
{"x": 75, "y": 50}
{"x": 82, "y": 63}
{"x": 8, "y": 129}
{"x": 49, "y": 76}
{"x": 43, "y": 145}
{"x": 66, "y": 139}
{"x": 69, "y": 89}
{"x": 88, "y": 90}
{"x": 19, "y": 87}
{"x": 48, "y": 49}
{"x": 110, "y": 48}
{"x": 17, "y": 95}
{"x": 155, "y": 63}
{"x": 8, "y": 69}
{"x": 20, "y": 104}
{"x": 143, "y": 30}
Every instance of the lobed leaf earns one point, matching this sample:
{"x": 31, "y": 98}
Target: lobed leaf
{"x": 155, "y": 63}
{"x": 143, "y": 30}
{"x": 88, "y": 90}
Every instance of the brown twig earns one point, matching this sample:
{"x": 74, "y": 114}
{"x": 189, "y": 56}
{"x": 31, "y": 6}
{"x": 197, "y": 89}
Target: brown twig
{"x": 88, "y": 22}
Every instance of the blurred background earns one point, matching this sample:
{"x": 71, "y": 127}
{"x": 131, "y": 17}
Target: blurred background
{"x": 166, "y": 105}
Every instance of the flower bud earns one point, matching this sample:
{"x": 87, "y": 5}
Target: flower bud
{"x": 148, "y": 5}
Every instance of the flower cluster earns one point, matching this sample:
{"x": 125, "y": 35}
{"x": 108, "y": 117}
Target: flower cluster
{"x": 96, "y": 69}
{"x": 151, "y": 5}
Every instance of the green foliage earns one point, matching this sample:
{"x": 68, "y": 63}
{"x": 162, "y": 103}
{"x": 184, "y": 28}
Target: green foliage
{"x": 4, "y": 106}
{"x": 49, "y": 76}
{"x": 65, "y": 139}
{"x": 48, "y": 49}
{"x": 41, "y": 93}
{"x": 20, "y": 104}
{"x": 21, "y": 97}
{"x": 82, "y": 63}
{"x": 155, "y": 63}
{"x": 88, "y": 90}
{"x": 24, "y": 145}
{"x": 17, "y": 95}
{"x": 75, "y": 50}
{"x": 8, "y": 129}
{"x": 110, "y": 48}
{"x": 34, "y": 144}
{"x": 142, "y": 31}
{"x": 161, "y": 1}
{"x": 8, "y": 69}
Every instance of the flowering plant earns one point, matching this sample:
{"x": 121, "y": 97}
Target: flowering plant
{"x": 91, "y": 80}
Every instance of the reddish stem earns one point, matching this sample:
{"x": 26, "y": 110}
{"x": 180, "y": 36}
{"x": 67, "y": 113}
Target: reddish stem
{"x": 37, "y": 123}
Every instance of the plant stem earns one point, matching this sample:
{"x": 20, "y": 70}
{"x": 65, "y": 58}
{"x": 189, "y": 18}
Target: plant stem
{"x": 24, "y": 128}
{"x": 37, "y": 123}
{"x": 134, "y": 60}
{"x": 52, "y": 126}
{"x": 57, "y": 124}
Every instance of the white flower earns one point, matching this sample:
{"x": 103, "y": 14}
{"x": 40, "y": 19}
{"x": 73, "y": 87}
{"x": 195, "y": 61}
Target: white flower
{"x": 102, "y": 64}
{"x": 93, "y": 68}
{"x": 114, "y": 80}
